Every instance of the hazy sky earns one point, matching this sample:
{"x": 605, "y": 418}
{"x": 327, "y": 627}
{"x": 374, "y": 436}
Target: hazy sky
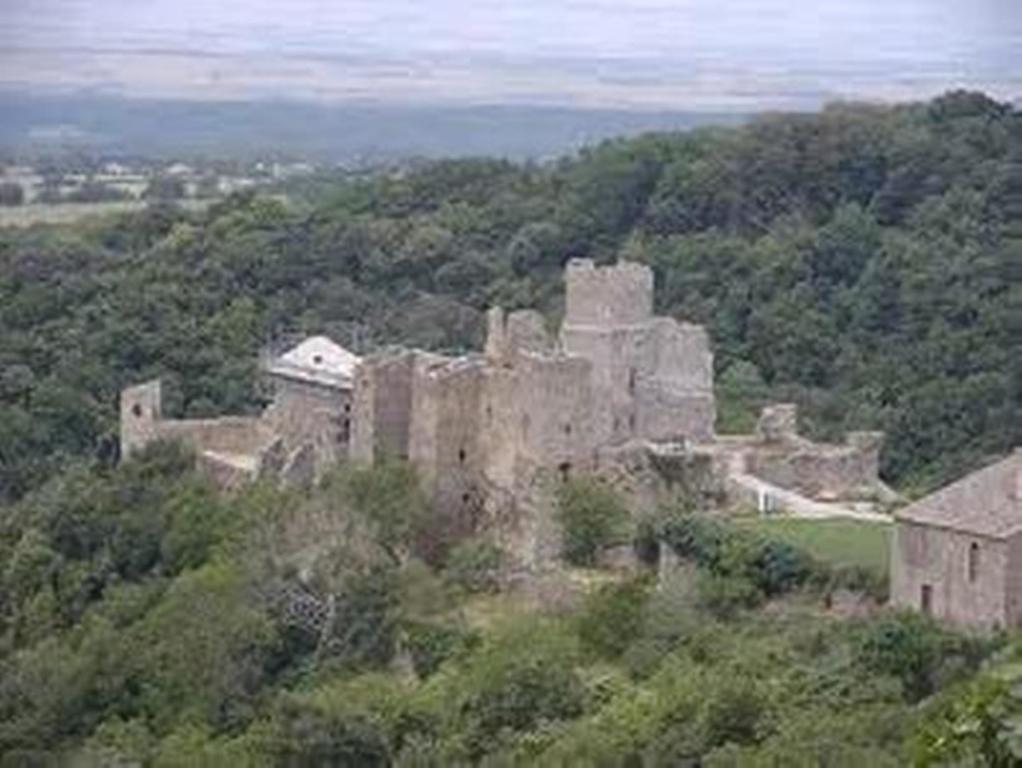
{"x": 680, "y": 53}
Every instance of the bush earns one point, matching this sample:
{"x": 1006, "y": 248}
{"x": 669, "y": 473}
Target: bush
{"x": 474, "y": 566}
{"x": 522, "y": 679}
{"x": 592, "y": 518}
{"x": 743, "y": 558}
{"x": 612, "y": 618}
{"x": 430, "y": 644}
{"x": 918, "y": 652}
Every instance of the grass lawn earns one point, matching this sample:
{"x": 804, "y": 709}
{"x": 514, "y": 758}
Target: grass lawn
{"x": 837, "y": 541}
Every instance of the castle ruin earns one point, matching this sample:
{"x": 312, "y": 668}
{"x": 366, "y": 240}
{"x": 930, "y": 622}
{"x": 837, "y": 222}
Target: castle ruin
{"x": 619, "y": 392}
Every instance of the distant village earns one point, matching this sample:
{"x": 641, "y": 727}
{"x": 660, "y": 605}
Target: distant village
{"x": 104, "y": 180}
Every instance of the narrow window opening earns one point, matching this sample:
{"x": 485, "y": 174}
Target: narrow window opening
{"x": 136, "y": 411}
{"x": 973, "y": 561}
{"x": 631, "y": 381}
{"x": 347, "y": 407}
{"x": 317, "y": 359}
{"x": 461, "y": 455}
{"x": 567, "y": 429}
{"x": 565, "y": 469}
{"x": 465, "y": 498}
{"x": 926, "y": 599}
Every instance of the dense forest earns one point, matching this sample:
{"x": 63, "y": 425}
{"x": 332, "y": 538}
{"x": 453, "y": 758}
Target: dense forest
{"x": 865, "y": 262}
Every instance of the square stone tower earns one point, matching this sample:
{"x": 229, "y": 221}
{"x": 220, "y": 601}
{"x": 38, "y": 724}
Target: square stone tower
{"x": 652, "y": 377}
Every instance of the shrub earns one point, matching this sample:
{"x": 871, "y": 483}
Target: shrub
{"x": 520, "y": 680}
{"x": 724, "y": 596}
{"x": 430, "y": 644}
{"x": 741, "y": 557}
{"x": 474, "y": 566}
{"x": 612, "y": 618}
{"x": 592, "y": 519}
{"x": 915, "y": 650}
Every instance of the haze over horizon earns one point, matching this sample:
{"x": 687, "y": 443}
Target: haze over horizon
{"x": 738, "y": 55}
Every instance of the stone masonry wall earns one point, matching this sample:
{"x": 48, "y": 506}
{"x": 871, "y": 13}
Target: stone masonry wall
{"x": 306, "y": 412}
{"x": 142, "y": 423}
{"x": 444, "y": 437}
{"x": 938, "y": 558}
{"x": 621, "y": 294}
{"x": 382, "y": 406}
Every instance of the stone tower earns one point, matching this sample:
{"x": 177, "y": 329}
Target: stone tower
{"x": 140, "y": 416}
{"x": 652, "y": 376}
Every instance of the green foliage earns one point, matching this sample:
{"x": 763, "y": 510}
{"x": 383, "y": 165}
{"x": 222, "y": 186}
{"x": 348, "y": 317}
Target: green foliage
{"x": 474, "y": 566}
{"x": 430, "y": 644}
{"x": 918, "y": 652}
{"x": 389, "y": 499}
{"x": 612, "y": 618}
{"x": 976, "y": 723}
{"x": 742, "y": 566}
{"x": 592, "y": 518}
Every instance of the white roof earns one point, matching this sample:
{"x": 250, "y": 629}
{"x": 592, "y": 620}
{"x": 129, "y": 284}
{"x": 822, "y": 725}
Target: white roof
{"x": 318, "y": 360}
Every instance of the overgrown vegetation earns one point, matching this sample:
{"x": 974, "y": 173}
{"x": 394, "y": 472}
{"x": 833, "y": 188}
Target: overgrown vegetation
{"x": 147, "y": 619}
{"x": 861, "y": 261}
{"x": 593, "y": 519}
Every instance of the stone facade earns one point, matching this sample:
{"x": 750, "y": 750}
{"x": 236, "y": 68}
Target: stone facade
{"x": 652, "y": 375}
{"x": 304, "y": 431}
{"x": 957, "y": 554}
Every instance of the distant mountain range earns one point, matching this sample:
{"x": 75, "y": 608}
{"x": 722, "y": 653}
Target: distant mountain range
{"x": 357, "y": 132}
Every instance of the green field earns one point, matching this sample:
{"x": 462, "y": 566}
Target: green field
{"x": 66, "y": 213}
{"x": 837, "y": 541}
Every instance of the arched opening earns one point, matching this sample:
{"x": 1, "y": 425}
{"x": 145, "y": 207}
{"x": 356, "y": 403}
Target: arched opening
{"x": 973, "y": 561}
{"x": 565, "y": 469}
{"x": 136, "y": 410}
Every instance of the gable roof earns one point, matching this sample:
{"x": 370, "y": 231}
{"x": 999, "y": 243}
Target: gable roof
{"x": 987, "y": 502}
{"x": 318, "y": 360}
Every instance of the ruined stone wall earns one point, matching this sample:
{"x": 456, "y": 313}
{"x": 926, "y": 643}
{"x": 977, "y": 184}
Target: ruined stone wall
{"x": 779, "y": 455}
{"x": 621, "y": 294}
{"x": 227, "y": 434}
{"x": 651, "y": 381}
{"x": 674, "y": 388}
{"x": 556, "y": 409}
{"x": 1013, "y": 582}
{"x": 305, "y": 412}
{"x": 142, "y": 422}
{"x": 444, "y": 436}
{"x": 382, "y": 406}
{"x": 652, "y": 376}
{"x": 939, "y": 558}
{"x": 520, "y": 331}
{"x": 141, "y": 413}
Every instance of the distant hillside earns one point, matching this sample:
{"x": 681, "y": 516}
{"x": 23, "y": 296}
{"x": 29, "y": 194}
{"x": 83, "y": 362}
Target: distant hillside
{"x": 355, "y": 132}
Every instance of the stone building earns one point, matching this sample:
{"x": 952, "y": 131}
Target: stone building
{"x": 957, "y": 554}
{"x": 302, "y": 432}
{"x": 619, "y": 392}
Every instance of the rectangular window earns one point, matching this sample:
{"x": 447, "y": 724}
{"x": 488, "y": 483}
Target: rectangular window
{"x": 926, "y": 599}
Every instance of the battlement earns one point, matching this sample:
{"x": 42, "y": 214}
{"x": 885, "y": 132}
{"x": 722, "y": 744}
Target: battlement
{"x": 619, "y": 294}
